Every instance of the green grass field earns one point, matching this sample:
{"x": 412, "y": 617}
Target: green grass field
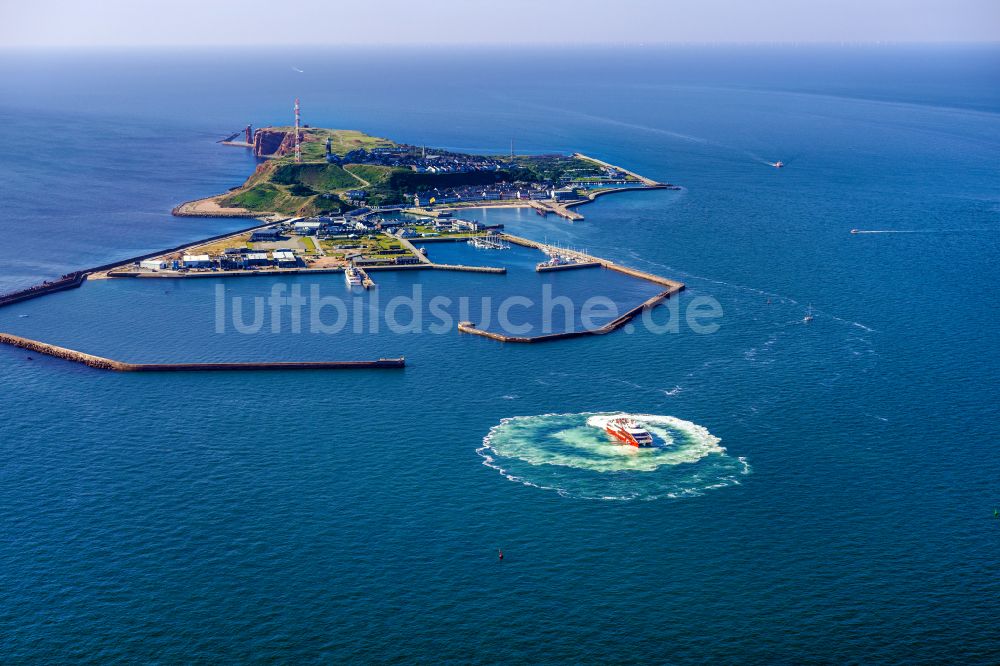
{"x": 320, "y": 177}
{"x": 261, "y": 197}
{"x": 373, "y": 173}
{"x": 283, "y": 186}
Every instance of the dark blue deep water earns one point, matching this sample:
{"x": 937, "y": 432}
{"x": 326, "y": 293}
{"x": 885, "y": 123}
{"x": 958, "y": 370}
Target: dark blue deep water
{"x": 323, "y": 517}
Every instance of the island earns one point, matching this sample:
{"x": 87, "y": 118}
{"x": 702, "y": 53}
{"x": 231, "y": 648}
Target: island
{"x": 338, "y": 171}
{"x": 332, "y": 200}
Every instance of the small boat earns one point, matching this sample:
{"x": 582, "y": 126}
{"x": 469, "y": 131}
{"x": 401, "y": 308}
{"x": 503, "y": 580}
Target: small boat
{"x": 855, "y": 231}
{"x": 488, "y": 242}
{"x": 554, "y": 260}
{"x": 629, "y": 432}
{"x": 809, "y": 315}
{"x": 778, "y": 164}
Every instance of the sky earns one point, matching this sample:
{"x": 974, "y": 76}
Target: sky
{"x": 116, "y": 23}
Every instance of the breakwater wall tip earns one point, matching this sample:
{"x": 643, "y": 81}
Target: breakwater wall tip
{"x": 68, "y": 281}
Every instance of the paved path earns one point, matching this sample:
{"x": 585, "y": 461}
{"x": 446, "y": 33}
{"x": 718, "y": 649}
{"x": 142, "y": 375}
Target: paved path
{"x": 413, "y": 248}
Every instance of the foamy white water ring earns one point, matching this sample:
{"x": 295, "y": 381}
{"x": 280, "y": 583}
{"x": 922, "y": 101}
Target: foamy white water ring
{"x": 573, "y": 455}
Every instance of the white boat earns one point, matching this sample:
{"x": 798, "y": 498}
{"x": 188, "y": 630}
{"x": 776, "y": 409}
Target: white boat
{"x": 809, "y": 315}
{"x": 559, "y": 258}
{"x": 352, "y": 277}
{"x": 489, "y": 242}
{"x": 629, "y": 432}
{"x": 555, "y": 260}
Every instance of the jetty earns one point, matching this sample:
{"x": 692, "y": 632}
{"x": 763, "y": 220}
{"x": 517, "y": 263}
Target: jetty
{"x": 548, "y": 268}
{"x": 613, "y": 325}
{"x": 405, "y": 242}
{"x": 470, "y": 269}
{"x": 648, "y": 182}
{"x": 672, "y": 287}
{"x": 427, "y": 263}
{"x": 68, "y": 281}
{"x": 562, "y": 210}
{"x": 488, "y": 242}
{"x": 102, "y": 363}
{"x": 366, "y": 281}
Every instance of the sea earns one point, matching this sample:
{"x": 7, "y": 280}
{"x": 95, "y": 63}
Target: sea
{"x": 822, "y": 491}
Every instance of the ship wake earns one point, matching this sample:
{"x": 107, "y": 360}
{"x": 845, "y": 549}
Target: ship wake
{"x": 572, "y": 455}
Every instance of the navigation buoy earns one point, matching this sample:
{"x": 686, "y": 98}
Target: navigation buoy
{"x": 499, "y": 554}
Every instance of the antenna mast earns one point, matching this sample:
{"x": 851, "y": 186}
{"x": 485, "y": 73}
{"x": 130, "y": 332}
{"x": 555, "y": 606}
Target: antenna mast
{"x": 298, "y": 152}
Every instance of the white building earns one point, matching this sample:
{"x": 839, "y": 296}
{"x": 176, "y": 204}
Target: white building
{"x": 196, "y": 261}
{"x": 152, "y": 264}
{"x": 306, "y": 227}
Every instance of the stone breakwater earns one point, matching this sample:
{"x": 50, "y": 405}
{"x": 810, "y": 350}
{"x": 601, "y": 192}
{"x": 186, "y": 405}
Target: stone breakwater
{"x": 102, "y": 363}
{"x": 672, "y": 287}
{"x": 469, "y": 327}
{"x": 68, "y": 281}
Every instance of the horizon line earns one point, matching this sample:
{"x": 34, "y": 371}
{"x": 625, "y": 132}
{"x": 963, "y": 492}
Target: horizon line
{"x": 435, "y": 45}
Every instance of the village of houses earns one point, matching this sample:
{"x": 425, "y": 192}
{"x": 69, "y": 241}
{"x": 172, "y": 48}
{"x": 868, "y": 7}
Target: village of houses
{"x": 373, "y": 236}
{"x": 313, "y": 243}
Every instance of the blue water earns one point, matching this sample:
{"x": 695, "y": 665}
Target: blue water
{"x": 350, "y": 516}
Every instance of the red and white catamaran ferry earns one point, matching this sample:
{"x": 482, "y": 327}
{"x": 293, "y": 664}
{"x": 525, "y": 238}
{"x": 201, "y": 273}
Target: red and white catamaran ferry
{"x": 628, "y": 432}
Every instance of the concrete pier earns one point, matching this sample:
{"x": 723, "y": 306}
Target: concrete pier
{"x": 70, "y": 281}
{"x": 645, "y": 181}
{"x": 366, "y": 280}
{"x": 672, "y": 287}
{"x": 470, "y": 269}
{"x": 405, "y": 242}
{"x": 566, "y": 267}
{"x": 102, "y": 363}
{"x": 562, "y": 210}
{"x": 469, "y": 327}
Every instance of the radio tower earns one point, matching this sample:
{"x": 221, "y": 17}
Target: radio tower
{"x": 298, "y": 152}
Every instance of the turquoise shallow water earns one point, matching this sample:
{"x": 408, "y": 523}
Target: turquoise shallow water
{"x": 356, "y": 516}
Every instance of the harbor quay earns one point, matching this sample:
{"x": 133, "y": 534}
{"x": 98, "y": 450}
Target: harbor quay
{"x": 362, "y": 232}
{"x": 516, "y": 316}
